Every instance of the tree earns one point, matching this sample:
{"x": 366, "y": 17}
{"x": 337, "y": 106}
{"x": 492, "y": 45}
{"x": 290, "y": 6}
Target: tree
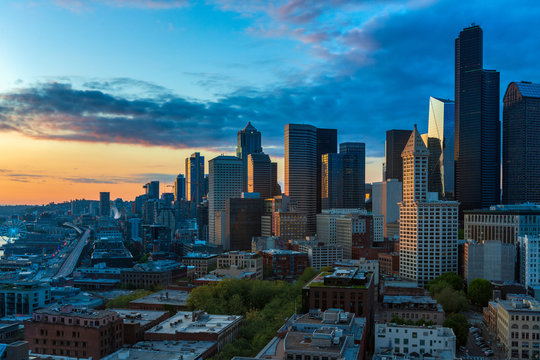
{"x": 460, "y": 325}
{"x": 452, "y": 301}
{"x": 479, "y": 292}
{"x": 452, "y": 279}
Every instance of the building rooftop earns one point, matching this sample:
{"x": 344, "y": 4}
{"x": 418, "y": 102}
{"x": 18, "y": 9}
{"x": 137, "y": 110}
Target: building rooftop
{"x": 195, "y": 322}
{"x": 350, "y": 277}
{"x": 199, "y": 255}
{"x": 70, "y": 311}
{"x": 517, "y": 209}
{"x": 528, "y": 89}
{"x": 521, "y": 303}
{"x": 141, "y": 317}
{"x": 167, "y": 297}
{"x": 163, "y": 350}
{"x": 283, "y": 252}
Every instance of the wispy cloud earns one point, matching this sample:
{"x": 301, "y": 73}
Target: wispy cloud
{"x": 79, "y": 6}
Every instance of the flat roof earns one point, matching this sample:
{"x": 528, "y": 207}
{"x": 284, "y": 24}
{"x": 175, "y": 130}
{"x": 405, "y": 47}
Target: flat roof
{"x": 163, "y": 350}
{"x": 142, "y": 317}
{"x": 185, "y": 322}
{"x": 168, "y": 297}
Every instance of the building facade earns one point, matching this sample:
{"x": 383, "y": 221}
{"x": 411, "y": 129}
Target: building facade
{"x": 242, "y": 222}
{"x": 225, "y": 182}
{"x": 104, "y": 203}
{"x": 395, "y": 143}
{"x": 285, "y": 264}
{"x": 195, "y": 178}
{"x": 23, "y": 298}
{"x": 521, "y": 143}
{"x": 428, "y": 227}
{"x": 490, "y": 260}
{"x": 249, "y": 142}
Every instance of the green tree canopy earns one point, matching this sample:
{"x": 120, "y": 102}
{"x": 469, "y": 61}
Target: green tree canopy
{"x": 479, "y": 291}
{"x": 449, "y": 278}
{"x": 460, "y": 325}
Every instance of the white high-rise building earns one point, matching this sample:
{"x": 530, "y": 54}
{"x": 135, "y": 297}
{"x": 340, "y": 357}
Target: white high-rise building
{"x": 225, "y": 181}
{"x": 326, "y": 223}
{"x": 386, "y": 196}
{"x": 428, "y": 227}
{"x": 529, "y": 250}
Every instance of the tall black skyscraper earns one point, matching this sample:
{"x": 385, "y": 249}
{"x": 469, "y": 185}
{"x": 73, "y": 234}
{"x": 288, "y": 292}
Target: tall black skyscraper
{"x": 104, "y": 203}
{"x": 477, "y": 125}
{"x": 354, "y": 174}
{"x": 195, "y": 183}
{"x": 152, "y": 190}
{"x": 395, "y": 143}
{"x": 249, "y": 142}
{"x": 326, "y": 144}
{"x": 521, "y": 143}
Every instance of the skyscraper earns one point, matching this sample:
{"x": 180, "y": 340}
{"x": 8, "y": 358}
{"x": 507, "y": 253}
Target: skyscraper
{"x": 195, "y": 178}
{"x": 428, "y": 227}
{"x": 225, "y": 181}
{"x": 441, "y": 147}
{"x": 260, "y": 173}
{"x": 249, "y": 142}
{"x": 477, "y": 125}
{"x": 152, "y": 190}
{"x": 179, "y": 187}
{"x": 332, "y": 181}
{"x": 354, "y": 174}
{"x": 326, "y": 144}
{"x": 104, "y": 203}
{"x": 395, "y": 142}
{"x": 301, "y": 170}
{"x": 521, "y": 143}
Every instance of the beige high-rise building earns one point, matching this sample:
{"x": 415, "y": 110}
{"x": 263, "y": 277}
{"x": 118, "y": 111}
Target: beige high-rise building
{"x": 428, "y": 227}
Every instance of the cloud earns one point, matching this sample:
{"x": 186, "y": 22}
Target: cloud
{"x": 79, "y": 6}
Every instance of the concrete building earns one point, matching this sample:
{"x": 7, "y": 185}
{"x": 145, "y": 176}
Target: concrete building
{"x": 521, "y": 143}
{"x": 428, "y": 227}
{"x": 490, "y": 260}
{"x": 385, "y": 198}
{"x": 357, "y": 233}
{"x": 225, "y": 181}
{"x": 407, "y": 307}
{"x": 234, "y": 262}
{"x": 518, "y": 322}
{"x": 203, "y": 262}
{"x": 502, "y": 222}
{"x": 242, "y": 222}
{"x": 23, "y": 298}
{"x": 197, "y": 326}
{"x": 153, "y": 273}
{"x": 326, "y": 223}
{"x": 136, "y": 322}
{"x": 163, "y": 300}
{"x": 321, "y": 255}
{"x": 166, "y": 350}
{"x": 393, "y": 340}
{"x": 301, "y": 170}
{"x": 285, "y": 264}
{"x": 69, "y": 331}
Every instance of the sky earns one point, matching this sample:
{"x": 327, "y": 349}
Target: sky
{"x": 105, "y": 95}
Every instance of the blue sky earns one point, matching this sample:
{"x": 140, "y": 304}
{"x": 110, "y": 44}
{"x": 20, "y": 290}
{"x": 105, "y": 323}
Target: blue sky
{"x": 188, "y": 74}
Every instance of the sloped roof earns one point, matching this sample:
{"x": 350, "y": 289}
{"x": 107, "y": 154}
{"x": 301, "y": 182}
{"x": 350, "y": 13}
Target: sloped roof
{"x": 415, "y": 145}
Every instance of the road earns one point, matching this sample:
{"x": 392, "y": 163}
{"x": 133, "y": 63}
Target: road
{"x": 71, "y": 261}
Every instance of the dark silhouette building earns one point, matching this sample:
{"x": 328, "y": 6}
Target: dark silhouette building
{"x": 521, "y": 143}
{"x": 354, "y": 174}
{"x": 395, "y": 143}
{"x": 152, "y": 190}
{"x": 249, "y": 142}
{"x": 180, "y": 188}
{"x": 195, "y": 186}
{"x": 326, "y": 144}
{"x": 242, "y": 221}
{"x": 477, "y": 125}
{"x": 261, "y": 175}
{"x": 331, "y": 181}
{"x": 104, "y": 203}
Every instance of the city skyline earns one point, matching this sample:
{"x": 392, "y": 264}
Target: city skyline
{"x": 91, "y": 117}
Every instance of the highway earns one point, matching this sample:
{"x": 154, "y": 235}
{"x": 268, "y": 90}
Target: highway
{"x": 71, "y": 261}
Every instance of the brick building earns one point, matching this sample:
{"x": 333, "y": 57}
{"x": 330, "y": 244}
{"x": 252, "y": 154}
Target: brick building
{"x": 389, "y": 263}
{"x": 285, "y": 264}
{"x": 70, "y": 331}
{"x": 413, "y": 308}
{"x": 136, "y": 322}
{"x": 203, "y": 262}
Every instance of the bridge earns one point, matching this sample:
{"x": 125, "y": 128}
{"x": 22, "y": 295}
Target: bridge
{"x": 71, "y": 261}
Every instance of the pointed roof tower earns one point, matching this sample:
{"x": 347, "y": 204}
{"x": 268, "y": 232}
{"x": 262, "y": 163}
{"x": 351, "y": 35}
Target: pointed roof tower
{"x": 415, "y": 146}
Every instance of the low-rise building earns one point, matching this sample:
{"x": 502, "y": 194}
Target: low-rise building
{"x": 518, "y": 325}
{"x": 320, "y": 254}
{"x": 153, "y": 273}
{"x": 237, "y": 262}
{"x": 197, "y": 326}
{"x": 413, "y": 308}
{"x": 166, "y": 350}
{"x": 203, "y": 262}
{"x": 77, "y": 332}
{"x": 404, "y": 341}
{"x": 22, "y": 298}
{"x": 389, "y": 263}
{"x": 136, "y": 322}
{"x": 285, "y": 264}
{"x": 162, "y": 300}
